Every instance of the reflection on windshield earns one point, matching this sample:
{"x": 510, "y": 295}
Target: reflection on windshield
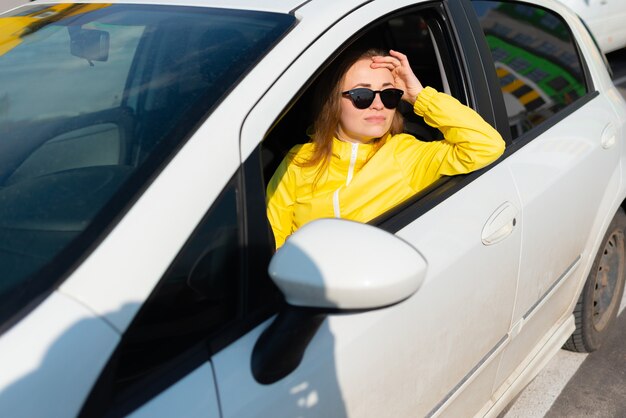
{"x": 93, "y": 99}
{"x": 19, "y": 24}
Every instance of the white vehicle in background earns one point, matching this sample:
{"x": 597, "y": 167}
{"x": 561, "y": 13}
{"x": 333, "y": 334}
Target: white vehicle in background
{"x": 136, "y": 140}
{"x": 605, "y": 18}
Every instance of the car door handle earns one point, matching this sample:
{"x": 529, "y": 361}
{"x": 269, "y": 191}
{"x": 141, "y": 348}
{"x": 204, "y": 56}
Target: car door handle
{"x": 609, "y": 136}
{"x": 500, "y": 224}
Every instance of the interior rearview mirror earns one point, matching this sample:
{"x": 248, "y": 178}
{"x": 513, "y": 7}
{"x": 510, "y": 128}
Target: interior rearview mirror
{"x": 90, "y": 44}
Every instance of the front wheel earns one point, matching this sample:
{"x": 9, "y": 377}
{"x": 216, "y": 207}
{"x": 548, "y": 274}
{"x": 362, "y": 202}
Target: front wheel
{"x": 600, "y": 298}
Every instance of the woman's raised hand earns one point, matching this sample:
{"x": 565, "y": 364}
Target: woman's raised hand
{"x": 403, "y": 75}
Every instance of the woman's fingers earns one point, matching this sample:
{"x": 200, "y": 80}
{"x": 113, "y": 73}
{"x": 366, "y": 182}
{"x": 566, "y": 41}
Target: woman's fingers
{"x": 399, "y": 56}
{"x": 388, "y": 66}
{"x": 385, "y": 62}
{"x": 398, "y": 64}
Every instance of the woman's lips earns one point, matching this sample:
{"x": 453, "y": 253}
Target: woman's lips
{"x": 375, "y": 119}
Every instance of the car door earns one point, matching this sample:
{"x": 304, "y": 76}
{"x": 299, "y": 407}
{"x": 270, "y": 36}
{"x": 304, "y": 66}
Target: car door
{"x": 438, "y": 351}
{"x": 565, "y": 163}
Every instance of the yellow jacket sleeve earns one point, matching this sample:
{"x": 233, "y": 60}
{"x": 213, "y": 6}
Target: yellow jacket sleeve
{"x": 280, "y": 199}
{"x": 469, "y": 142}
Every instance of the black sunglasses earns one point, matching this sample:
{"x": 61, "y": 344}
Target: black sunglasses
{"x": 362, "y": 97}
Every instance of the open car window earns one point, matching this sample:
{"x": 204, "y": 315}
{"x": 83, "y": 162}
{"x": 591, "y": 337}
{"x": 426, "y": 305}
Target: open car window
{"x": 423, "y": 34}
{"x": 418, "y": 34}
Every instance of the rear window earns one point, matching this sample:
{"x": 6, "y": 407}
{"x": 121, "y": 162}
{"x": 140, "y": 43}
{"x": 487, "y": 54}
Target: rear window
{"x": 94, "y": 98}
{"x": 536, "y": 60}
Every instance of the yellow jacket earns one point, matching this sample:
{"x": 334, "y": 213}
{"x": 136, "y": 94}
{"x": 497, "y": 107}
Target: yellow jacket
{"x": 360, "y": 184}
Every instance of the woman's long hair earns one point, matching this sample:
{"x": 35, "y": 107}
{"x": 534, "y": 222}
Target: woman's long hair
{"x": 327, "y": 109}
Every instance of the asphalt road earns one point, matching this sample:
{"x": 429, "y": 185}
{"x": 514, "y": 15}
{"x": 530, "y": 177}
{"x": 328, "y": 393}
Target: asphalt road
{"x": 577, "y": 385}
{"x": 598, "y": 388}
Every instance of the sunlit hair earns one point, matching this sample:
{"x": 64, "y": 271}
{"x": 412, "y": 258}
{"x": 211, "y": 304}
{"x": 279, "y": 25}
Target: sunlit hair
{"x": 327, "y": 108}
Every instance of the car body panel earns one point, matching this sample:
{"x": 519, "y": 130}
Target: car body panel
{"x": 527, "y": 371}
{"x": 194, "y": 396}
{"x": 61, "y": 347}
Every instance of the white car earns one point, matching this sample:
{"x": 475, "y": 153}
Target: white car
{"x": 605, "y": 19}
{"x": 136, "y": 140}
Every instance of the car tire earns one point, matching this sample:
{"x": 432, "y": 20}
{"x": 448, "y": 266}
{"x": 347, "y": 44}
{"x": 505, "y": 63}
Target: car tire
{"x": 600, "y": 298}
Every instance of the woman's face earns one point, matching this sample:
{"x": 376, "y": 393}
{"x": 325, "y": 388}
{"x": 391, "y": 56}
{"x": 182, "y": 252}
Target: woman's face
{"x": 364, "y": 125}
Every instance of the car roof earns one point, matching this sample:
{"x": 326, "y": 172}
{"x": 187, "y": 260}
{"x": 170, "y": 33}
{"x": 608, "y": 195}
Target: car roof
{"x": 277, "y": 6}
{"x": 326, "y": 7}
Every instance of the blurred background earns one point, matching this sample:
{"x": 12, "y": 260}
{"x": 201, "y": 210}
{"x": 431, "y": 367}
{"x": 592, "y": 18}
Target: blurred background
{"x": 9, "y": 4}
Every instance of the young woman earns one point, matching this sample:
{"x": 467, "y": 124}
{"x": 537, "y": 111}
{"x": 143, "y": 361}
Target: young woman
{"x": 359, "y": 164}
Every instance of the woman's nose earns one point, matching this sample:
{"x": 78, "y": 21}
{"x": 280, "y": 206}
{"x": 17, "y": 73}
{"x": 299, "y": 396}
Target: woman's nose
{"x": 377, "y": 103}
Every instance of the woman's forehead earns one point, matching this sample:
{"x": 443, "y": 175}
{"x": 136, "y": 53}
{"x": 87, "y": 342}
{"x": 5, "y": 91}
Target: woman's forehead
{"x": 360, "y": 73}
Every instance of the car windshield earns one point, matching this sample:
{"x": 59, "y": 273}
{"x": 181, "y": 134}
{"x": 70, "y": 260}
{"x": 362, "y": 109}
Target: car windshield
{"x": 94, "y": 98}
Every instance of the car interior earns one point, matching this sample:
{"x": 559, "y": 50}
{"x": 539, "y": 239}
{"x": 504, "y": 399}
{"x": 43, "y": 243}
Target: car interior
{"x": 63, "y": 169}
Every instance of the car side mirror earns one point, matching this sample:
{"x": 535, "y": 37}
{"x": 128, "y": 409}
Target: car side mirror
{"x": 331, "y": 266}
{"x": 343, "y": 265}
